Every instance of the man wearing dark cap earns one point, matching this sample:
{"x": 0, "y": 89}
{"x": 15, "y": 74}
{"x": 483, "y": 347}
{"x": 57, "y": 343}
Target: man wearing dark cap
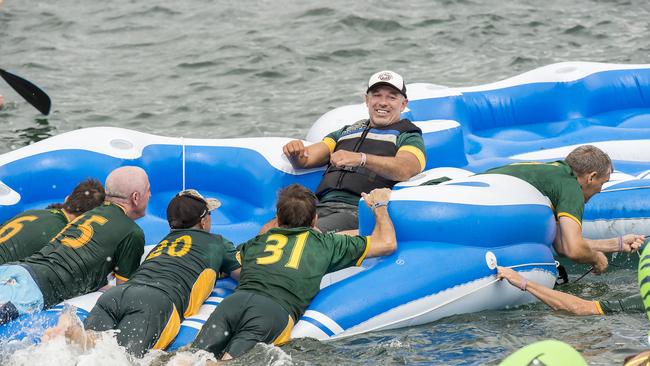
{"x": 170, "y": 285}
{"x": 372, "y": 153}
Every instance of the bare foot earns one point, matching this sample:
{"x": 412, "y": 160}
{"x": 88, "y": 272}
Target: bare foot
{"x": 68, "y": 325}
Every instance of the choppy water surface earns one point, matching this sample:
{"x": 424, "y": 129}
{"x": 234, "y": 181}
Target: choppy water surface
{"x": 221, "y": 69}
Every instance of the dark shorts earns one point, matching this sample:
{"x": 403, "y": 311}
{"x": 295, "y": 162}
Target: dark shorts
{"x": 144, "y": 315}
{"x": 242, "y": 320}
{"x": 337, "y": 216}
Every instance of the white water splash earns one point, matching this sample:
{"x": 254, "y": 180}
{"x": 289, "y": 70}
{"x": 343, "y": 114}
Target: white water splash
{"x": 275, "y": 355}
{"x": 58, "y": 352}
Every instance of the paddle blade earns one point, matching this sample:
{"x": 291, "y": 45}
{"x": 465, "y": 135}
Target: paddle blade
{"x": 32, "y": 93}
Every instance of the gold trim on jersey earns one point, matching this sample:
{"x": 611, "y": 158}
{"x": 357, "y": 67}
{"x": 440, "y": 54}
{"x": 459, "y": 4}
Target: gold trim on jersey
{"x": 365, "y": 252}
{"x": 566, "y": 214}
{"x": 200, "y": 291}
{"x": 121, "y": 278}
{"x": 65, "y": 214}
{"x": 171, "y": 330}
{"x": 600, "y": 308}
{"x": 418, "y": 154}
{"x": 285, "y": 336}
{"x": 331, "y": 144}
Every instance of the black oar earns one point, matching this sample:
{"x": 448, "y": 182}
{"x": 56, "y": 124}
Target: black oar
{"x": 32, "y": 93}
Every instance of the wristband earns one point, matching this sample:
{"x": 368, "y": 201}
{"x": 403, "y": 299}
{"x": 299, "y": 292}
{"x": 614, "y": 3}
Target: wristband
{"x": 523, "y": 284}
{"x": 379, "y": 204}
{"x": 363, "y": 159}
{"x": 620, "y": 243}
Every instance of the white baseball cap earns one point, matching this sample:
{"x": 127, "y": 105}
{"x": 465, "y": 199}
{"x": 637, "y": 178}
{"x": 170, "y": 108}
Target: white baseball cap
{"x": 389, "y": 78}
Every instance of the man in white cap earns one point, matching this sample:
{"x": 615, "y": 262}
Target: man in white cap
{"x": 371, "y": 153}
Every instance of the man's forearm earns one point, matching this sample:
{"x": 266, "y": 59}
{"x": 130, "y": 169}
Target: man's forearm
{"x": 579, "y": 251}
{"x": 383, "y": 241}
{"x": 606, "y": 245}
{"x": 558, "y": 300}
{"x": 390, "y": 167}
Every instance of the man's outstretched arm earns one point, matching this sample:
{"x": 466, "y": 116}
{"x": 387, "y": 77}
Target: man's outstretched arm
{"x": 557, "y": 300}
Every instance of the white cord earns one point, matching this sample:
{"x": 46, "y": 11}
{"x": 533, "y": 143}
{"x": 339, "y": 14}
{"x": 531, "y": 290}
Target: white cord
{"x": 439, "y": 305}
{"x": 183, "y": 144}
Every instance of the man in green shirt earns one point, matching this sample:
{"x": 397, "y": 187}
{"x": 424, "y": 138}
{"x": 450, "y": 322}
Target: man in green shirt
{"x": 282, "y": 270}
{"x": 569, "y": 184}
{"x": 170, "y": 285}
{"x": 29, "y": 231}
{"x": 79, "y": 258}
{"x": 372, "y": 153}
{"x": 571, "y": 304}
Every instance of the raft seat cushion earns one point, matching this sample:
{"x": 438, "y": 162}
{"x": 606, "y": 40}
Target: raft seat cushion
{"x": 628, "y": 124}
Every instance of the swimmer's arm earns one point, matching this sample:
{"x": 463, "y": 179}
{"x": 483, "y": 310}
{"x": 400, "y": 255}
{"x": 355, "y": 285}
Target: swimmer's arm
{"x": 382, "y": 241}
{"x": 570, "y": 243}
{"x": 627, "y": 243}
{"x": 557, "y": 300}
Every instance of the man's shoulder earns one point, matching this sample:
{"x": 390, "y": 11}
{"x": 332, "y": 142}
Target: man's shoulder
{"x": 358, "y": 125}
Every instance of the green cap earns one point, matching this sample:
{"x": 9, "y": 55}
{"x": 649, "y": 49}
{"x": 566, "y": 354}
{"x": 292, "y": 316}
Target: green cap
{"x": 550, "y": 352}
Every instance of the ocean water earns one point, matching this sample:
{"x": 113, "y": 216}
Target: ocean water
{"x": 218, "y": 69}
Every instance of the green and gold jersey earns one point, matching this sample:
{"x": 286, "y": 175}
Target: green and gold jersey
{"x": 630, "y": 304}
{"x": 554, "y": 180}
{"x": 185, "y": 266}
{"x": 28, "y": 232}
{"x": 78, "y": 259}
{"x": 288, "y": 264}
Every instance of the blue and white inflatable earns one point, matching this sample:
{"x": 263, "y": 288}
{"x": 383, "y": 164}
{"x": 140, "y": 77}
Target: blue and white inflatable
{"x": 450, "y": 236}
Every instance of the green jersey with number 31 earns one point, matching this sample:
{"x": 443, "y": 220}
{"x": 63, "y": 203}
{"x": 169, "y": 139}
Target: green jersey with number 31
{"x": 288, "y": 264}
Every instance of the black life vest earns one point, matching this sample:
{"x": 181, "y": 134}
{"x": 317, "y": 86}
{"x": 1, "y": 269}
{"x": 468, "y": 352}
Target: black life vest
{"x": 360, "y": 137}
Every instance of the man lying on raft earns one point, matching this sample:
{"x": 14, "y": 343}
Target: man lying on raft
{"x": 80, "y": 257}
{"x": 170, "y": 285}
{"x": 29, "y": 231}
{"x": 371, "y": 153}
{"x": 282, "y": 270}
{"x": 569, "y": 184}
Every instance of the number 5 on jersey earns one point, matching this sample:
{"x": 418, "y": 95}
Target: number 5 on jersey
{"x": 85, "y": 228}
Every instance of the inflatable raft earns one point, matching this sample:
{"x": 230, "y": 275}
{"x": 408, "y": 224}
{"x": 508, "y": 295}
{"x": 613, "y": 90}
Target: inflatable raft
{"x": 450, "y": 236}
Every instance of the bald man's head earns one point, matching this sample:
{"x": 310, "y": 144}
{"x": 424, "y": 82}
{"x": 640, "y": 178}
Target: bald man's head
{"x": 129, "y": 187}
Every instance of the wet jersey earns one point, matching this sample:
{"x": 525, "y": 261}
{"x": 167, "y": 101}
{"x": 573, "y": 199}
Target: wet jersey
{"x": 630, "y": 304}
{"x": 554, "y": 180}
{"x": 78, "y": 259}
{"x": 28, "y": 232}
{"x": 288, "y": 264}
{"x": 185, "y": 266}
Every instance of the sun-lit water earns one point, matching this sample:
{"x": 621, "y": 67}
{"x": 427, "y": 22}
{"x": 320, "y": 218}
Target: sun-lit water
{"x": 220, "y": 69}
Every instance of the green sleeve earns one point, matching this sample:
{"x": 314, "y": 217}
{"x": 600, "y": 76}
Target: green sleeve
{"x": 571, "y": 202}
{"x": 630, "y": 304}
{"x": 128, "y": 253}
{"x": 230, "y": 262}
{"x": 412, "y": 139}
{"x": 346, "y": 250}
{"x": 335, "y": 135}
